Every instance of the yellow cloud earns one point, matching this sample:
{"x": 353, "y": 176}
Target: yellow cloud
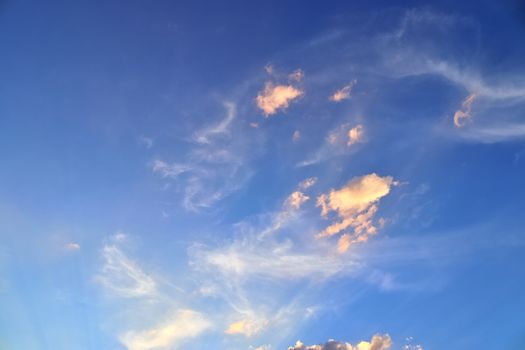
{"x": 247, "y": 327}
{"x": 463, "y": 115}
{"x": 356, "y": 206}
{"x": 344, "y": 93}
{"x": 183, "y": 324}
{"x": 275, "y": 97}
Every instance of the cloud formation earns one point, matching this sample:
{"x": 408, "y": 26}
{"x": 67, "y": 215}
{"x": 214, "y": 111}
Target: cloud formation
{"x": 181, "y": 325}
{"x": 355, "y": 205}
{"x": 296, "y": 199}
{"x": 378, "y": 342}
{"x": 340, "y": 140}
{"x": 247, "y": 327}
{"x": 355, "y": 135}
{"x": 215, "y": 165}
{"x": 344, "y": 93}
{"x": 275, "y": 97}
{"x": 463, "y": 115}
{"x": 122, "y": 276}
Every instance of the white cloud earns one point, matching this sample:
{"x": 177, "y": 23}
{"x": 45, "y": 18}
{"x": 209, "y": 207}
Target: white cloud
{"x": 145, "y": 141}
{"x": 378, "y": 342}
{"x": 72, "y": 246}
{"x": 169, "y": 170}
{"x": 296, "y": 135}
{"x": 221, "y": 128}
{"x": 122, "y": 276}
{"x": 275, "y": 97}
{"x": 355, "y": 205}
{"x": 183, "y": 324}
{"x": 214, "y": 167}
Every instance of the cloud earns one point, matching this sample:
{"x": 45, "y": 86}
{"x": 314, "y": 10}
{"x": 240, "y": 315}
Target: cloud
{"x": 145, "y": 141}
{"x": 72, "y": 246}
{"x": 247, "y": 327}
{"x": 214, "y": 166}
{"x": 247, "y": 259}
{"x": 296, "y": 199}
{"x": 463, "y": 115}
{"x": 221, "y": 128}
{"x": 307, "y": 183}
{"x": 169, "y": 170}
{"x": 378, "y": 342}
{"x": 181, "y": 325}
{"x": 355, "y": 205}
{"x": 344, "y": 93}
{"x": 275, "y": 97}
{"x": 296, "y": 75}
{"x": 355, "y": 135}
{"x": 338, "y": 141}
{"x": 122, "y": 276}
{"x": 296, "y": 135}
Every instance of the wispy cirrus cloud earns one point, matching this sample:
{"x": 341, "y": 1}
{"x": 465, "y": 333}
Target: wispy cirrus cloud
{"x": 215, "y": 165}
{"x": 122, "y": 276}
{"x": 162, "y": 322}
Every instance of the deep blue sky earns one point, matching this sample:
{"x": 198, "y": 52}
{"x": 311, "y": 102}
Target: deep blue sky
{"x": 241, "y": 175}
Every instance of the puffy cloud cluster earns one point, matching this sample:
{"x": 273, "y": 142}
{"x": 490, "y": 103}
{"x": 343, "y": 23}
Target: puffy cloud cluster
{"x": 344, "y": 93}
{"x": 378, "y": 342}
{"x": 356, "y": 205}
{"x": 463, "y": 115}
{"x": 275, "y": 97}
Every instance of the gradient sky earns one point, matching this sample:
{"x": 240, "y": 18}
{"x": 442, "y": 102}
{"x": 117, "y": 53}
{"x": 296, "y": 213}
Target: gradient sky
{"x": 264, "y": 175}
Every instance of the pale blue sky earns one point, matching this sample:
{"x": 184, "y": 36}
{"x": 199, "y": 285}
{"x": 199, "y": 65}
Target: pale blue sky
{"x": 232, "y": 175}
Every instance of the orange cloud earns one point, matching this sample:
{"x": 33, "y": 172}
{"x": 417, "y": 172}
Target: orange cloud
{"x": 246, "y": 327}
{"x": 275, "y": 97}
{"x": 356, "y": 135}
{"x": 463, "y": 115}
{"x": 344, "y": 93}
{"x": 355, "y": 205}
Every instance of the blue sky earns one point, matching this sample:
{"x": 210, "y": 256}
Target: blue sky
{"x": 262, "y": 176}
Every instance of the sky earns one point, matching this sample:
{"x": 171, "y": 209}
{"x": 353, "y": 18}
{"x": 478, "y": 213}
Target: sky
{"x": 301, "y": 175}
